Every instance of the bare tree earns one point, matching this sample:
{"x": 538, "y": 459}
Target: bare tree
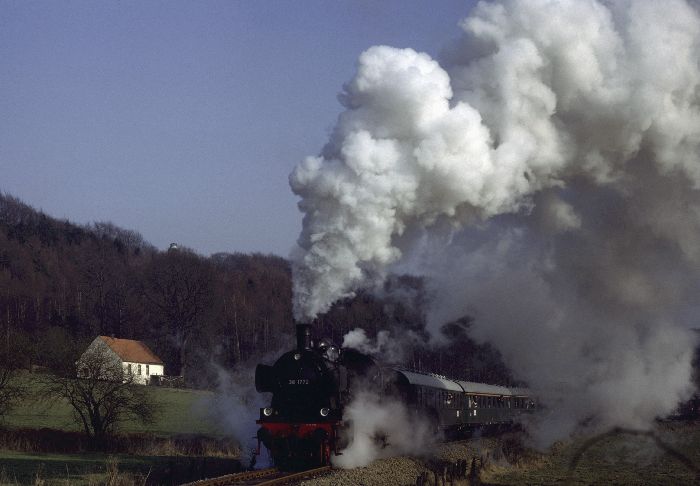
{"x": 103, "y": 396}
{"x": 178, "y": 286}
{"x": 11, "y": 390}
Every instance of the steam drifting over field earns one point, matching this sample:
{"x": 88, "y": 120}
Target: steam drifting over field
{"x": 545, "y": 178}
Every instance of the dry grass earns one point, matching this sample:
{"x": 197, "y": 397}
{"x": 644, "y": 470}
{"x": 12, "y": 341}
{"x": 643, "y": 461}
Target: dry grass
{"x": 60, "y": 441}
{"x": 667, "y": 455}
{"x": 108, "y": 469}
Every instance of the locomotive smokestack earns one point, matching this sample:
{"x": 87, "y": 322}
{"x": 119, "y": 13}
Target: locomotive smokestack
{"x": 303, "y": 337}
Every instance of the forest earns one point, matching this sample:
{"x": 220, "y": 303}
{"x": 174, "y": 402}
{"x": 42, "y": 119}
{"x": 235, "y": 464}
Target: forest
{"x": 62, "y": 284}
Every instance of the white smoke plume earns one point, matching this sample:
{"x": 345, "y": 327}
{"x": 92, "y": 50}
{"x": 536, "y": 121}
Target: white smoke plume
{"x": 389, "y": 348}
{"x": 545, "y": 179}
{"x": 382, "y": 428}
{"x": 357, "y": 339}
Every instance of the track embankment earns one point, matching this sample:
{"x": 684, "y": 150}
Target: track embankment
{"x": 262, "y": 477}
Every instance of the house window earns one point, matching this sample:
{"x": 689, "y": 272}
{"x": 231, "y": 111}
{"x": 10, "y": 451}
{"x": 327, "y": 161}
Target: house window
{"x": 128, "y": 368}
{"x": 138, "y": 372}
{"x": 147, "y": 371}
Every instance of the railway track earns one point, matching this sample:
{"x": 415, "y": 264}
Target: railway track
{"x": 263, "y": 477}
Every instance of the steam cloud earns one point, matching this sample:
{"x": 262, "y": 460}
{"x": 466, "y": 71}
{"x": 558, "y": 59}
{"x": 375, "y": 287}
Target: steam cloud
{"x": 544, "y": 178}
{"x": 381, "y": 428}
{"x": 235, "y": 406}
{"x": 389, "y": 348}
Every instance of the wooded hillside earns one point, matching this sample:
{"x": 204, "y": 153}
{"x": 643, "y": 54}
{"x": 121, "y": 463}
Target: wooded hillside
{"x": 62, "y": 284}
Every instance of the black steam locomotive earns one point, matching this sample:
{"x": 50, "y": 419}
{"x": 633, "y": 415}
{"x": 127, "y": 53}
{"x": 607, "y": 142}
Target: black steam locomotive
{"x": 311, "y": 384}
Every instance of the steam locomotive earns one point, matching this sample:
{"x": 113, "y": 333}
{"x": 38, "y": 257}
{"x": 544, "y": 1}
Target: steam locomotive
{"x": 311, "y": 385}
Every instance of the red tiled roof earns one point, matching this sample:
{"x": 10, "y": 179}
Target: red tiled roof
{"x": 130, "y": 350}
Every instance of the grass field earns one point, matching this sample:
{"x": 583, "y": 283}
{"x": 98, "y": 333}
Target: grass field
{"x": 180, "y": 413}
{"x": 182, "y": 417}
{"x": 668, "y": 455}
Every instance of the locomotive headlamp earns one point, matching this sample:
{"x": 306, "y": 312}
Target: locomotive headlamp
{"x": 332, "y": 353}
{"x": 325, "y": 412}
{"x": 297, "y": 356}
{"x": 267, "y": 411}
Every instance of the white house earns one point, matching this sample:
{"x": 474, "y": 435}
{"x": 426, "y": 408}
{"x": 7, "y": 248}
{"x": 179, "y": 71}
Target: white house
{"x": 135, "y": 357}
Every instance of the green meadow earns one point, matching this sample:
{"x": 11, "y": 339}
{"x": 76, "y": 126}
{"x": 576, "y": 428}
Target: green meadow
{"x": 180, "y": 428}
{"x": 182, "y": 412}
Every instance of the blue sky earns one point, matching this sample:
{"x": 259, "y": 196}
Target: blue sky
{"x": 182, "y": 120}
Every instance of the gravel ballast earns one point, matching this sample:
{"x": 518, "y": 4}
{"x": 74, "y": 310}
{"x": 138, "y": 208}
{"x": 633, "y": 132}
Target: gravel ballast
{"x": 402, "y": 471}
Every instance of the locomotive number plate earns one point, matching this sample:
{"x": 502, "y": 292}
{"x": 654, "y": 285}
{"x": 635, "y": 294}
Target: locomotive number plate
{"x": 299, "y": 382}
